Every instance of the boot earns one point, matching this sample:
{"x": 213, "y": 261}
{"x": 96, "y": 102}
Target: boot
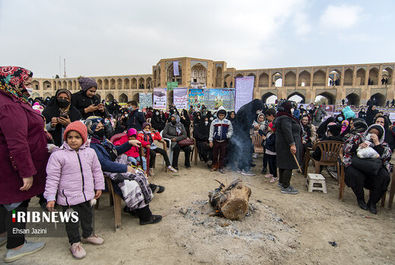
{"x": 362, "y": 204}
{"x": 372, "y": 207}
{"x": 146, "y": 217}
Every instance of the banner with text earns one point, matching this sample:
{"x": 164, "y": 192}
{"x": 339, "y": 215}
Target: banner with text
{"x": 180, "y": 98}
{"x": 145, "y": 100}
{"x": 160, "y": 98}
{"x": 244, "y": 91}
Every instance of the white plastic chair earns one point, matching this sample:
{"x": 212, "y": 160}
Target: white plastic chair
{"x": 169, "y": 148}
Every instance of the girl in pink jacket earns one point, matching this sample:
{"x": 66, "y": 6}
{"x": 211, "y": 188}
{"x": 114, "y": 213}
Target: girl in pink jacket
{"x": 74, "y": 179}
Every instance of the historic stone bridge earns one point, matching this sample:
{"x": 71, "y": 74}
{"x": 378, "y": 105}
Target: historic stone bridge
{"x": 356, "y": 82}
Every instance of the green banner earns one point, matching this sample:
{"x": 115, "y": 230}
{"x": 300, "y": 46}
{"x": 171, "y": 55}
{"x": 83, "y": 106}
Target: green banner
{"x": 171, "y": 85}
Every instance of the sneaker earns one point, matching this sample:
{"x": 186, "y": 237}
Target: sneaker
{"x": 213, "y": 168}
{"x": 93, "y": 239}
{"x": 3, "y": 240}
{"x": 172, "y": 169}
{"x": 268, "y": 176}
{"x": 27, "y": 249}
{"x": 289, "y": 190}
{"x": 153, "y": 220}
{"x": 247, "y": 173}
{"x": 221, "y": 170}
{"x": 77, "y": 251}
{"x": 273, "y": 179}
{"x": 280, "y": 185}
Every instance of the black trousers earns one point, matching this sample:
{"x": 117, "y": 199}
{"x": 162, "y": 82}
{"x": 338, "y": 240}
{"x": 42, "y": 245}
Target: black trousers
{"x": 285, "y": 177}
{"x": 176, "y": 152}
{"x": 377, "y": 185}
{"x": 205, "y": 152}
{"x": 264, "y": 167}
{"x": 85, "y": 215}
{"x": 272, "y": 161}
{"x": 6, "y": 225}
{"x": 152, "y": 156}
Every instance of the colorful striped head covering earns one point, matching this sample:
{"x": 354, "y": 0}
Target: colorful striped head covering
{"x": 12, "y": 80}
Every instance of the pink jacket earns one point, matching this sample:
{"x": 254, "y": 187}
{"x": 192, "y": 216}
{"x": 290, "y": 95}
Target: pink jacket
{"x": 74, "y": 176}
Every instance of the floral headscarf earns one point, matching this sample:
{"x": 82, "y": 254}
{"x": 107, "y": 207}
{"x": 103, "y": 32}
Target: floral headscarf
{"x": 12, "y": 81}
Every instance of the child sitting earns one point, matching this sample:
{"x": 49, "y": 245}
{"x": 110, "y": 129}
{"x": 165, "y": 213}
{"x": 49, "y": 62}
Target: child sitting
{"x": 147, "y": 138}
{"x": 220, "y": 132}
{"x": 270, "y": 153}
{"x": 134, "y": 152}
{"x": 74, "y": 174}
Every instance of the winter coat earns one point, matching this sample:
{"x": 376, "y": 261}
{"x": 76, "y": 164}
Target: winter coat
{"x": 107, "y": 165}
{"x": 318, "y": 115}
{"x": 57, "y": 132}
{"x": 270, "y": 143}
{"x": 158, "y": 122}
{"x": 170, "y": 132}
{"x": 134, "y": 151}
{"x": 23, "y": 150}
{"x": 288, "y": 132}
{"x": 81, "y": 101}
{"x": 146, "y": 139}
{"x": 201, "y": 132}
{"x": 135, "y": 120}
{"x": 352, "y": 143}
{"x": 73, "y": 175}
{"x": 220, "y": 130}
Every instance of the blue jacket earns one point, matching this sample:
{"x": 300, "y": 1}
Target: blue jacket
{"x": 107, "y": 165}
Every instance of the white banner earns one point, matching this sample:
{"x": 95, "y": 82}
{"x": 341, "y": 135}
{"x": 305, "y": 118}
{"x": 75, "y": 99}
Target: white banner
{"x": 160, "y": 98}
{"x": 244, "y": 91}
{"x": 180, "y": 98}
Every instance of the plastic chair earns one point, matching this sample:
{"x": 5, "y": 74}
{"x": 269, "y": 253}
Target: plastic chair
{"x": 329, "y": 155}
{"x": 342, "y": 183}
{"x": 257, "y": 141}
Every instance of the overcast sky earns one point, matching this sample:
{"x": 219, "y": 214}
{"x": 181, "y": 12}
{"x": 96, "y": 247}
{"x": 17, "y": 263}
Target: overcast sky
{"x": 114, "y": 37}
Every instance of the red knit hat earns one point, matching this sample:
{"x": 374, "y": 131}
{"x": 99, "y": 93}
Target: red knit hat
{"x": 271, "y": 125}
{"x": 79, "y": 127}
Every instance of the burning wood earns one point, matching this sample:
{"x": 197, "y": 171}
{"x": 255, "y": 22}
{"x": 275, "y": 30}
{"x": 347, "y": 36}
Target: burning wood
{"x": 231, "y": 201}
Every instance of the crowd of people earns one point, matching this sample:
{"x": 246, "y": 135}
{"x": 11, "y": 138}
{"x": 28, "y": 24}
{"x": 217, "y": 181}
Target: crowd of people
{"x": 59, "y": 149}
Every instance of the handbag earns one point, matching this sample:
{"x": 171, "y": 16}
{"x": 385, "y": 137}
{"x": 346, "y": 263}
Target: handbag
{"x": 185, "y": 142}
{"x": 369, "y": 166}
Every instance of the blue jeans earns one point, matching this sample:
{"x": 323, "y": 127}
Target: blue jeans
{"x": 137, "y": 159}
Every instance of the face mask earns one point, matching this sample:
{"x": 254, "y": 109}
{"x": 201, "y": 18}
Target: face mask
{"x": 173, "y": 122}
{"x": 63, "y": 103}
{"x": 29, "y": 90}
{"x": 340, "y": 118}
{"x": 292, "y": 110}
{"x": 211, "y": 118}
{"x": 157, "y": 113}
{"x": 206, "y": 122}
{"x": 126, "y": 115}
{"x": 100, "y": 133}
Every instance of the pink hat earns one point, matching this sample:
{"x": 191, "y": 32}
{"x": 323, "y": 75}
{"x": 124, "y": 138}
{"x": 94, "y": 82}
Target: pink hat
{"x": 131, "y": 132}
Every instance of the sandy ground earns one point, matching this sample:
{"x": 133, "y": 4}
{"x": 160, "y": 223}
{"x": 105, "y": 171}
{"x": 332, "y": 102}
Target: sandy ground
{"x": 280, "y": 229}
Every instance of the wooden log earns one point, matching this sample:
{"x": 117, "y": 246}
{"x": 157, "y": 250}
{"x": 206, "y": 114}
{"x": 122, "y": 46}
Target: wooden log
{"x": 231, "y": 201}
